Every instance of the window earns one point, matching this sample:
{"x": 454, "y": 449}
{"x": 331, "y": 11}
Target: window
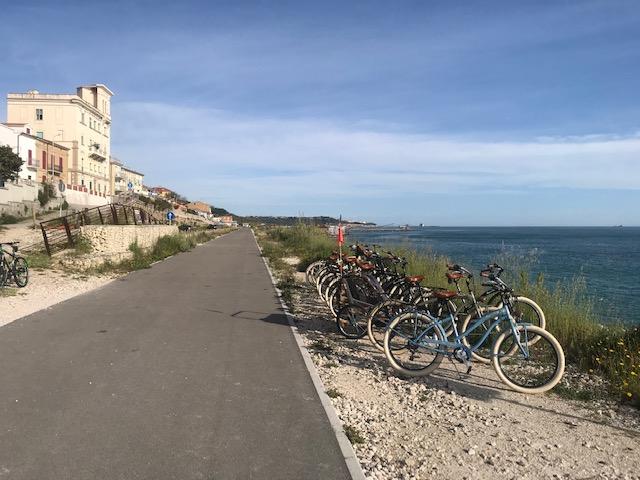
{"x": 82, "y": 182}
{"x": 44, "y": 160}
{"x": 30, "y": 161}
{"x": 82, "y": 117}
{"x": 28, "y": 131}
{"x": 91, "y": 186}
{"x": 81, "y": 139}
{"x": 40, "y": 134}
{"x": 60, "y": 163}
{"x": 39, "y": 114}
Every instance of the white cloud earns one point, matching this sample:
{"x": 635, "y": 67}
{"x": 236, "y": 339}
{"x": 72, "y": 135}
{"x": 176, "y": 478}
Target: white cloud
{"x": 278, "y": 166}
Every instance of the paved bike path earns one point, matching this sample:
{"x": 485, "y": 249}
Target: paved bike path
{"x": 187, "y": 370}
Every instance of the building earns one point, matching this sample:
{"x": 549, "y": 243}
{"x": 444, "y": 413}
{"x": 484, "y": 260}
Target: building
{"x": 51, "y": 160}
{"x": 81, "y": 122}
{"x": 200, "y": 208}
{"x": 123, "y": 176}
{"x": 16, "y": 136}
{"x": 161, "y": 192}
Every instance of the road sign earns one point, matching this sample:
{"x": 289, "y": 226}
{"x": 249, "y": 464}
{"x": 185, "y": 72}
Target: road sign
{"x": 171, "y": 216}
{"x": 130, "y": 186}
{"x": 61, "y": 186}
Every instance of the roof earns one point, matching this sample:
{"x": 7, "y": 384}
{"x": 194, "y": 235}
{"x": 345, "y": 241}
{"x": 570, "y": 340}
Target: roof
{"x": 98, "y": 85}
{"x": 49, "y": 142}
{"x": 132, "y": 171}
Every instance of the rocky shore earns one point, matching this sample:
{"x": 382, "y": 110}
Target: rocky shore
{"x": 453, "y": 425}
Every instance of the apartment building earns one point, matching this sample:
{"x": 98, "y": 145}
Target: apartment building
{"x": 81, "y": 122}
{"x": 123, "y": 176}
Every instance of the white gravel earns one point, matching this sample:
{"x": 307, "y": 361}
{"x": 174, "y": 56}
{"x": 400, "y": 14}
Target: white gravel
{"x": 452, "y": 425}
{"x": 45, "y": 289}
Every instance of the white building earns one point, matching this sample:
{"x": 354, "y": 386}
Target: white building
{"x": 11, "y": 134}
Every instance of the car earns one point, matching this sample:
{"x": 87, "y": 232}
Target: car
{"x": 184, "y": 227}
{"x": 211, "y": 226}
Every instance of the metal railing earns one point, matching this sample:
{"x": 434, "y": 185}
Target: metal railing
{"x": 62, "y": 233}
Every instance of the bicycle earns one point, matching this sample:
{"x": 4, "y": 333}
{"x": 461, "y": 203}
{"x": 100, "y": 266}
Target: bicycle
{"x": 416, "y": 342}
{"x": 16, "y": 268}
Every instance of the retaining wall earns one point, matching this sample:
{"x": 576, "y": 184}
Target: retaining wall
{"x": 115, "y": 239}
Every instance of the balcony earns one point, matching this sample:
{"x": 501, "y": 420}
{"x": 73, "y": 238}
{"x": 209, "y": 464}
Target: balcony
{"x": 98, "y": 156}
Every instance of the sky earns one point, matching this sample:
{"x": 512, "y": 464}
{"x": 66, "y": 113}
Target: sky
{"x": 442, "y": 113}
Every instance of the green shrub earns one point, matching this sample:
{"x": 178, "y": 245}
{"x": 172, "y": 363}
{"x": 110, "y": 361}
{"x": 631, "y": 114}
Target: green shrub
{"x": 82, "y": 245}
{"x": 7, "y": 219}
{"x": 46, "y": 193}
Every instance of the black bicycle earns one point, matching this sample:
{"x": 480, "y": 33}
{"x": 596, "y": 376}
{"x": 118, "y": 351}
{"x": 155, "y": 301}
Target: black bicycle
{"x": 13, "y": 266}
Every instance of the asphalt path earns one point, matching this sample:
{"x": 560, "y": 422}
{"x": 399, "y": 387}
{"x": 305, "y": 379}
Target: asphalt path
{"x": 187, "y": 370}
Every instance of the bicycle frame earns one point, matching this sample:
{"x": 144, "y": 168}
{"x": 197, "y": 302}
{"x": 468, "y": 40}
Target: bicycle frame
{"x": 498, "y": 316}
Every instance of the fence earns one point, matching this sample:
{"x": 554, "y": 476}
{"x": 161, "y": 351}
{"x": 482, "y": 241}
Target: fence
{"x": 61, "y": 233}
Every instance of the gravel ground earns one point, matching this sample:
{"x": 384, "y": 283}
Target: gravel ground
{"x": 45, "y": 288}
{"x": 453, "y": 425}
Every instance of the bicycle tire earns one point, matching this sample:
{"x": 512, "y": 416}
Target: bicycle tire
{"x": 414, "y": 324}
{"x": 501, "y": 362}
{"x": 20, "y": 271}
{"x": 352, "y": 321}
{"x": 380, "y": 317}
{"x": 3, "y": 273}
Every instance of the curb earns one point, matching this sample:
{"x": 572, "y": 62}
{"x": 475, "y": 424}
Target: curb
{"x": 349, "y": 455}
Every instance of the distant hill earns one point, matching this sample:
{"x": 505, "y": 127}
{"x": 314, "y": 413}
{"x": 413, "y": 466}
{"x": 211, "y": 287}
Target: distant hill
{"x": 270, "y": 220}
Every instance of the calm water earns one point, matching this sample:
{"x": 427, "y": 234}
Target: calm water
{"x": 607, "y": 258}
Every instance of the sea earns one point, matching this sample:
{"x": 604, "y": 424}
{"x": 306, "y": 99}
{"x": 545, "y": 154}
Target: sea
{"x": 607, "y": 259}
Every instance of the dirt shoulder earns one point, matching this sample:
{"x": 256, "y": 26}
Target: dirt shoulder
{"x": 45, "y": 289}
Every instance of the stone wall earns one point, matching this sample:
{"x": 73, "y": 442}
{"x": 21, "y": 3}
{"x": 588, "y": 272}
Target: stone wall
{"x": 115, "y": 239}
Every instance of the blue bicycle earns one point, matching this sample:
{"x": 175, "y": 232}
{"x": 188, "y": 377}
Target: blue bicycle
{"x": 525, "y": 357}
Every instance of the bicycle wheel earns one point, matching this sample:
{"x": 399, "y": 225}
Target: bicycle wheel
{"x": 352, "y": 321}
{"x": 3, "y": 273}
{"x": 338, "y": 297}
{"x": 528, "y": 368}
{"x": 411, "y": 344}
{"x": 312, "y": 270}
{"x": 20, "y": 271}
{"x": 379, "y": 319}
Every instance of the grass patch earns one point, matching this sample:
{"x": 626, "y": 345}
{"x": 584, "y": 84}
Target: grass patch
{"x": 571, "y": 393}
{"x": 353, "y": 435}
{"x": 38, "y": 260}
{"x": 333, "y": 393}
{"x": 286, "y": 286}
{"x": 8, "y": 292}
{"x": 164, "y": 247}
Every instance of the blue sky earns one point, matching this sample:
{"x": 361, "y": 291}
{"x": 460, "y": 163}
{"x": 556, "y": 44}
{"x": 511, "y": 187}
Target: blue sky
{"x": 448, "y": 113}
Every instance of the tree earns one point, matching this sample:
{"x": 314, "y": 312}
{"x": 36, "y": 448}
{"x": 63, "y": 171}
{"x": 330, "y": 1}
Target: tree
{"x": 10, "y": 164}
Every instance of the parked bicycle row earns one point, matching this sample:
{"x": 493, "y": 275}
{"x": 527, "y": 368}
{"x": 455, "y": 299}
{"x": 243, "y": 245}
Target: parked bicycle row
{"x": 13, "y": 267}
{"x": 370, "y": 294}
